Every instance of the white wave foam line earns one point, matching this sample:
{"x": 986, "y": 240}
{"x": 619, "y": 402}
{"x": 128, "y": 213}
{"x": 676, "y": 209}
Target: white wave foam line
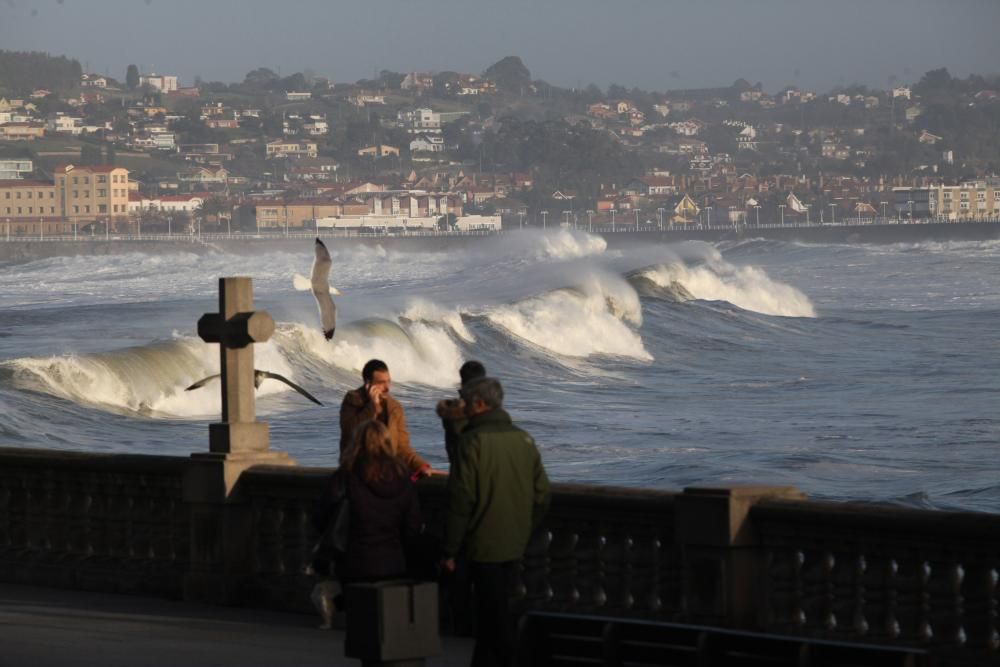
{"x": 578, "y": 322}
{"x": 423, "y": 354}
{"x": 746, "y": 287}
{"x": 145, "y": 380}
{"x": 422, "y": 310}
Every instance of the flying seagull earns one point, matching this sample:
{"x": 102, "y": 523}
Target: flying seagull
{"x": 320, "y": 282}
{"x": 258, "y": 377}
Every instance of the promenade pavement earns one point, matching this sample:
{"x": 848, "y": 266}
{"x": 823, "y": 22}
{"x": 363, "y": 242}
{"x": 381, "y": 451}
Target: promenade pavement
{"x": 41, "y": 627}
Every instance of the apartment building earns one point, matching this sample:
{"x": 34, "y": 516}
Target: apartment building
{"x": 92, "y": 192}
{"x": 973, "y": 200}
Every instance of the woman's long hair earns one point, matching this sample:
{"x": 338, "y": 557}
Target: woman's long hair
{"x": 372, "y": 454}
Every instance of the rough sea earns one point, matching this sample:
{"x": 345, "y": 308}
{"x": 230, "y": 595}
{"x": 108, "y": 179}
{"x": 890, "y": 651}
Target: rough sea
{"x": 862, "y": 372}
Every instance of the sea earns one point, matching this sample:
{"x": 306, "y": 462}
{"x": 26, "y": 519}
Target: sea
{"x": 853, "y": 372}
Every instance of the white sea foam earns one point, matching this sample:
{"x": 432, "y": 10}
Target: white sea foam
{"x": 592, "y": 318}
{"x": 746, "y": 287}
{"x": 145, "y": 380}
{"x": 422, "y": 353}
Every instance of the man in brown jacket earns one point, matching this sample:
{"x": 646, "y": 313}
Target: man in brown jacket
{"x": 372, "y": 401}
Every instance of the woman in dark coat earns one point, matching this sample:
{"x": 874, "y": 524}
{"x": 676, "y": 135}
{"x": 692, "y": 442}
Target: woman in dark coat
{"x": 384, "y": 509}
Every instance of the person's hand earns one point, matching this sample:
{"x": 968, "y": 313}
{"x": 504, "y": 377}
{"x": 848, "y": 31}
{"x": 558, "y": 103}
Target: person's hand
{"x": 448, "y": 564}
{"x": 375, "y": 396}
{"x": 425, "y": 471}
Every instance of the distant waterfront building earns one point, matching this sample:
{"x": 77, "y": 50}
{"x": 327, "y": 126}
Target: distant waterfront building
{"x": 915, "y": 202}
{"x": 92, "y": 192}
{"x": 973, "y": 200}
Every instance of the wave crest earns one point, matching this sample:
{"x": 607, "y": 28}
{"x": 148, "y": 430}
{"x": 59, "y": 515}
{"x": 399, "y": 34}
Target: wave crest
{"x": 746, "y": 287}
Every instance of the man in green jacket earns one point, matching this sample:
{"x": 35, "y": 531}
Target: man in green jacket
{"x": 498, "y": 493}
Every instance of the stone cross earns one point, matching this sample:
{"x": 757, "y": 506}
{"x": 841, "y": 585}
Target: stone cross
{"x": 236, "y": 327}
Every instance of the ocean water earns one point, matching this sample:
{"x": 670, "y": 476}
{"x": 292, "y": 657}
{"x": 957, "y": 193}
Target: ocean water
{"x": 849, "y": 371}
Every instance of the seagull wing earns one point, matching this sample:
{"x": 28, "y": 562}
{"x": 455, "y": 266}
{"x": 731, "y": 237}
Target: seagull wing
{"x": 201, "y": 383}
{"x": 261, "y": 375}
{"x": 321, "y": 290}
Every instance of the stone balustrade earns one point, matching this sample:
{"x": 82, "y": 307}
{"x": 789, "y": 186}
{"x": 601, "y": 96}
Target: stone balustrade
{"x": 887, "y": 574}
{"x": 107, "y": 522}
{"x": 758, "y": 558}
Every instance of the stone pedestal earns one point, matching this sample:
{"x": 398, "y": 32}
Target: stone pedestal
{"x": 721, "y": 567}
{"x": 222, "y": 544}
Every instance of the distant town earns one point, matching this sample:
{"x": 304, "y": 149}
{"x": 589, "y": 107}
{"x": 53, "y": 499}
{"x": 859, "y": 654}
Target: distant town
{"x": 86, "y": 154}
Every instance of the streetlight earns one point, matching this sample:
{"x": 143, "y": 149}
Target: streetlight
{"x": 170, "y": 230}
{"x": 544, "y": 213}
{"x": 833, "y": 214}
{"x": 732, "y": 216}
{"x": 808, "y": 206}
{"x": 520, "y": 216}
{"x": 884, "y": 204}
{"x": 138, "y": 226}
{"x": 612, "y": 220}
{"x": 590, "y": 220}
{"x": 659, "y": 213}
{"x": 758, "y": 215}
{"x": 910, "y": 202}
{"x": 709, "y": 209}
{"x": 781, "y": 207}
{"x": 567, "y": 214}
{"x": 637, "y": 219}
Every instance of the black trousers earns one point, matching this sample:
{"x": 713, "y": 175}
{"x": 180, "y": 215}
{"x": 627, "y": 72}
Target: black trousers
{"x": 493, "y": 584}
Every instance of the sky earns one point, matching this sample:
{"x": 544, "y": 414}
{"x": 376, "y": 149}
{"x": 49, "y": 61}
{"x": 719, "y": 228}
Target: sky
{"x": 651, "y": 44}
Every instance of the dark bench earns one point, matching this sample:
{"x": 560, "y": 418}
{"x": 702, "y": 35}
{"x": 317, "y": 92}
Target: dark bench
{"x": 548, "y": 639}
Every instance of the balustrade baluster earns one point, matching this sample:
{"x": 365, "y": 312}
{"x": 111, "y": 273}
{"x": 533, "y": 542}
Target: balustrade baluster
{"x": 600, "y": 596}
{"x": 859, "y": 624}
{"x": 628, "y": 568}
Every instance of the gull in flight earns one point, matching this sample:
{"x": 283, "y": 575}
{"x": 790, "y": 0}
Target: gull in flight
{"x": 320, "y": 284}
{"x": 258, "y": 377}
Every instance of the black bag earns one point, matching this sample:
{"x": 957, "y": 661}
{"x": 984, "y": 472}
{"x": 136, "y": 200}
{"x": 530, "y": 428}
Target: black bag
{"x": 332, "y": 517}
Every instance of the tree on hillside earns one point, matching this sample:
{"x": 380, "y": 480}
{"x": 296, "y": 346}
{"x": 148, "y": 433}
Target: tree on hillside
{"x": 132, "y": 77}
{"x": 510, "y": 75}
{"x": 23, "y": 71}
{"x": 260, "y": 78}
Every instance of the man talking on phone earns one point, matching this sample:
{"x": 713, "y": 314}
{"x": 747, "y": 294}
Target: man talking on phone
{"x": 372, "y": 401}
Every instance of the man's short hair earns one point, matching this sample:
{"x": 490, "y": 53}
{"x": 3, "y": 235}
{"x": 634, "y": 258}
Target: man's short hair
{"x": 369, "y": 370}
{"x": 487, "y": 390}
{"x": 471, "y": 370}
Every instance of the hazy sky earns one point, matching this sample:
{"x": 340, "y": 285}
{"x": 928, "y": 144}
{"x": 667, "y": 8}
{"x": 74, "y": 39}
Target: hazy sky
{"x": 653, "y": 44}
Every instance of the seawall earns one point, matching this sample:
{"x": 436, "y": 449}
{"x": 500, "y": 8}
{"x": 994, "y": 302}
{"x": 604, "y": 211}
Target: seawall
{"x": 21, "y": 249}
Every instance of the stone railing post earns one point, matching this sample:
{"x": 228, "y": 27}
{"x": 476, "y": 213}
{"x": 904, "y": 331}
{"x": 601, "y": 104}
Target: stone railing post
{"x": 722, "y": 567}
{"x": 221, "y": 519}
